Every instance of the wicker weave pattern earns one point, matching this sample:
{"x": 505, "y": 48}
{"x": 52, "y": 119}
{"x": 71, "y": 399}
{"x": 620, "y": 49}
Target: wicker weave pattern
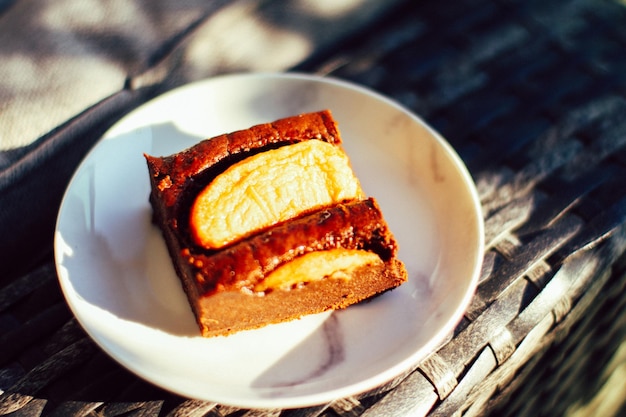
{"x": 532, "y": 95}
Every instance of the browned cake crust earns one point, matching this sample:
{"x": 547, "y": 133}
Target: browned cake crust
{"x": 230, "y": 311}
{"x": 219, "y": 283}
{"x": 171, "y": 176}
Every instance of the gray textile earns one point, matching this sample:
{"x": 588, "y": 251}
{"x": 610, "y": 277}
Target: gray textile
{"x": 71, "y": 68}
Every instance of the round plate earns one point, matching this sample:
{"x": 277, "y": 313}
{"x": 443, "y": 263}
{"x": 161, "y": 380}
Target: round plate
{"x": 119, "y": 281}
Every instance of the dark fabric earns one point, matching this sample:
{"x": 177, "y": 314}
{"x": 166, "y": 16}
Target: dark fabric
{"x": 32, "y": 187}
{"x": 70, "y": 69}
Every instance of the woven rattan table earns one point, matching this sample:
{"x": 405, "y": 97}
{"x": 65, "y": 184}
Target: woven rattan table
{"x": 532, "y": 95}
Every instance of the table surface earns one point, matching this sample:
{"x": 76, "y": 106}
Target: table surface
{"x": 532, "y": 96}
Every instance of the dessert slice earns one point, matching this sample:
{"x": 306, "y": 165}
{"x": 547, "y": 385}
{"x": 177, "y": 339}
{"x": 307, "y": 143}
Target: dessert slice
{"x": 270, "y": 223}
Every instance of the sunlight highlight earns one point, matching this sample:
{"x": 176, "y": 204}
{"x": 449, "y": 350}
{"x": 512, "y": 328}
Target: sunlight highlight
{"x": 331, "y": 8}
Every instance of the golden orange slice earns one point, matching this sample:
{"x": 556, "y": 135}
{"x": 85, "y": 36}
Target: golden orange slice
{"x": 269, "y": 188}
{"x": 314, "y": 266}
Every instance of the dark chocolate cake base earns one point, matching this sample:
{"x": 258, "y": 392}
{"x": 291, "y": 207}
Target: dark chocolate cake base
{"x": 220, "y": 283}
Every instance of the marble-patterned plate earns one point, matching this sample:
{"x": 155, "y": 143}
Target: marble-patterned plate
{"x": 119, "y": 282}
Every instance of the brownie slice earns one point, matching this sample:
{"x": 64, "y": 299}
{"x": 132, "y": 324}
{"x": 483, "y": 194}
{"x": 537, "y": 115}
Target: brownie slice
{"x": 220, "y": 283}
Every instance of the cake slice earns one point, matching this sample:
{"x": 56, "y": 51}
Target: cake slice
{"x": 270, "y": 223}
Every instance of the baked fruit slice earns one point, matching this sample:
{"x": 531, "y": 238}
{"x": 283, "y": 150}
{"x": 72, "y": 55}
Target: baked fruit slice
{"x": 270, "y": 223}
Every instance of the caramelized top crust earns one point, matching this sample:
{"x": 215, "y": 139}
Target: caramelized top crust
{"x": 355, "y": 225}
{"x": 170, "y": 175}
{"x": 176, "y": 180}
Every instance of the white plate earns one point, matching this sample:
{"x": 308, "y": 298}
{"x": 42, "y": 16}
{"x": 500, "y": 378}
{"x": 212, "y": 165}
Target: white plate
{"x": 119, "y": 282}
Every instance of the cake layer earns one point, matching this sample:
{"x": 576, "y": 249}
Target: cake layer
{"x": 354, "y": 225}
{"x": 171, "y": 176}
{"x": 220, "y": 285}
{"x": 231, "y": 311}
